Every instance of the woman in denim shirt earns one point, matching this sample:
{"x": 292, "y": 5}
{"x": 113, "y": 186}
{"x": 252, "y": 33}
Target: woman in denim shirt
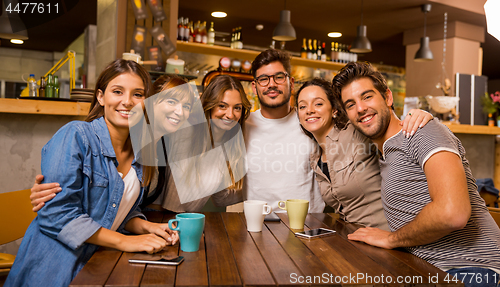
{"x": 94, "y": 164}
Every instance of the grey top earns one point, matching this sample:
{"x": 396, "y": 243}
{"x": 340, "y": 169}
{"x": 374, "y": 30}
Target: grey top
{"x": 354, "y": 188}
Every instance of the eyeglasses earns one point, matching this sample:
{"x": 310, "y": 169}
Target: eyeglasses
{"x": 279, "y": 78}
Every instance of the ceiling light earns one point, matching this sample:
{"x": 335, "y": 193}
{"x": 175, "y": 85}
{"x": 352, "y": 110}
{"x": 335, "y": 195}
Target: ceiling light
{"x": 219, "y": 14}
{"x": 16, "y": 41}
{"x": 361, "y": 44}
{"x": 424, "y": 53}
{"x": 284, "y": 31}
{"x": 334, "y": 34}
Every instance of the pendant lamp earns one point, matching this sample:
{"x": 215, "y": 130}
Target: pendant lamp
{"x": 424, "y": 53}
{"x": 361, "y": 44}
{"x": 284, "y": 31}
{"x": 11, "y": 25}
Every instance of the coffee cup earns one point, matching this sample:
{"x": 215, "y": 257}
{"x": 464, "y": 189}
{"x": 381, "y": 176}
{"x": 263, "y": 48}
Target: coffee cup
{"x": 296, "y": 210}
{"x": 190, "y": 227}
{"x": 255, "y": 211}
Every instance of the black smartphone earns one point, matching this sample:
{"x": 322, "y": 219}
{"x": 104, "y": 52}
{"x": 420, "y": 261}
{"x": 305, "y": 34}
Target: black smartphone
{"x": 272, "y": 217}
{"x": 156, "y": 259}
{"x": 315, "y": 233}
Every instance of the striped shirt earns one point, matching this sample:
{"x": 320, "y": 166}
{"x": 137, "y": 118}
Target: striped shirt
{"x": 405, "y": 193}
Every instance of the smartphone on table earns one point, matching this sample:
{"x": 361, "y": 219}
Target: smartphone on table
{"x": 156, "y": 259}
{"x": 315, "y": 233}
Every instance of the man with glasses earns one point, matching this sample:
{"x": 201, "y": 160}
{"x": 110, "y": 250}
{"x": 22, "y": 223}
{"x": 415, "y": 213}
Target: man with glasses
{"x": 277, "y": 150}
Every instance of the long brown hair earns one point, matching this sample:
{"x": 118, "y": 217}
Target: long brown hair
{"x": 113, "y": 70}
{"x": 211, "y": 97}
{"x": 214, "y": 93}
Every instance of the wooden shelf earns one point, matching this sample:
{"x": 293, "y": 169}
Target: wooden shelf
{"x": 249, "y": 55}
{"x": 44, "y": 107}
{"x": 477, "y": 130}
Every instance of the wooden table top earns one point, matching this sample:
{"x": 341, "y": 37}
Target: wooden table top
{"x": 229, "y": 255}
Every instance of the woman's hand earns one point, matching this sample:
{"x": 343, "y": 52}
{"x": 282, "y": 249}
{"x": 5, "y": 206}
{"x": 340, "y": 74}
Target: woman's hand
{"x": 149, "y": 243}
{"x": 140, "y": 226}
{"x": 415, "y": 119}
{"x": 41, "y": 193}
{"x": 162, "y": 230}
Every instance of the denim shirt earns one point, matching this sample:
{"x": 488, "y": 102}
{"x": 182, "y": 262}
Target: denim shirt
{"x": 81, "y": 158}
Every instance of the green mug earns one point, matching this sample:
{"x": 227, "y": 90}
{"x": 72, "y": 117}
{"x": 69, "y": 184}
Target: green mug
{"x": 190, "y": 227}
{"x": 296, "y": 210}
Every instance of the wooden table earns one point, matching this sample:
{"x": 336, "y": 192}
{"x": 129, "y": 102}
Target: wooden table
{"x": 231, "y": 256}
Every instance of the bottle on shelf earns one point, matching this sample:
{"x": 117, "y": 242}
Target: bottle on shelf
{"x": 309, "y": 49}
{"x": 49, "y": 88}
{"x": 32, "y": 86}
{"x": 211, "y": 34}
{"x": 335, "y": 55}
{"x": 41, "y": 90}
{"x": 323, "y": 53}
{"x": 203, "y": 31}
{"x": 56, "y": 87}
{"x": 232, "y": 38}
{"x": 318, "y": 51}
{"x": 240, "y": 41}
{"x": 180, "y": 29}
{"x": 314, "y": 50}
{"x": 197, "y": 32}
{"x": 303, "y": 51}
{"x": 191, "y": 32}
{"x": 185, "y": 36}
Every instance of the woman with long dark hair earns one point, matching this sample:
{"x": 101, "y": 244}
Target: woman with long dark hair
{"x": 94, "y": 163}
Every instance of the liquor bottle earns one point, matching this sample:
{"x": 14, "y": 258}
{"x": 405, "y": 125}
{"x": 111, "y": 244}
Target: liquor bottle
{"x": 185, "y": 37}
{"x": 318, "y": 51}
{"x": 191, "y": 32}
{"x": 56, "y": 87}
{"x": 343, "y": 54}
{"x": 211, "y": 34}
{"x": 180, "y": 29}
{"x": 323, "y": 53}
{"x": 332, "y": 52}
{"x": 335, "y": 54}
{"x": 232, "y": 38}
{"x": 315, "y": 50}
{"x": 309, "y": 49}
{"x": 203, "y": 31}
{"x": 197, "y": 32}
{"x": 32, "y": 86}
{"x": 49, "y": 88}
{"x": 41, "y": 90}
{"x": 240, "y": 41}
{"x": 303, "y": 51}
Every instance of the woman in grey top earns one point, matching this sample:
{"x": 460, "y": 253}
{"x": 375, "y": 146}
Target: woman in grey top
{"x": 345, "y": 162}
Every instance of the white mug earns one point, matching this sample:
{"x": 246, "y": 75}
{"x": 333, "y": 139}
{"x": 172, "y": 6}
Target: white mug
{"x": 255, "y": 211}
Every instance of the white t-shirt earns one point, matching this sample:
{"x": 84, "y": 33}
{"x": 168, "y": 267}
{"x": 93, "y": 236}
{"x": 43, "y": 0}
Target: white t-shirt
{"x": 278, "y": 162}
{"x": 131, "y": 192}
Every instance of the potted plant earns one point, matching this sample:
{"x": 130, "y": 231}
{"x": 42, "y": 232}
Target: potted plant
{"x": 490, "y": 106}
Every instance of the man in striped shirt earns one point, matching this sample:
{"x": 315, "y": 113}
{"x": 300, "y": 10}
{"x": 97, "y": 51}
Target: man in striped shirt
{"x": 429, "y": 195}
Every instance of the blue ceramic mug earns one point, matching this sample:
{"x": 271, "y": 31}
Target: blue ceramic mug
{"x": 190, "y": 227}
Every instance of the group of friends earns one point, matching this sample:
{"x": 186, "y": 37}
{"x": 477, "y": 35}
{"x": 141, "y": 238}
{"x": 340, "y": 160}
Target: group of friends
{"x": 407, "y": 182}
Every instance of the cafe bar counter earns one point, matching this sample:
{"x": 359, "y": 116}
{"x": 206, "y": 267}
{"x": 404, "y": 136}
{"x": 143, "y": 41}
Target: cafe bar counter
{"x": 229, "y": 255}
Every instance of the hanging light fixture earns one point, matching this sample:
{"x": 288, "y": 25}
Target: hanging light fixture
{"x": 361, "y": 44}
{"x": 284, "y": 31}
{"x": 11, "y": 25}
{"x": 424, "y": 53}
